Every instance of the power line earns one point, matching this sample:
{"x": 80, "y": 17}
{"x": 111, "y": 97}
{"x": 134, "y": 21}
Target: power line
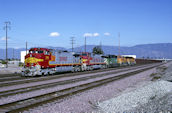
{"x": 6, "y": 27}
{"x": 26, "y": 47}
{"x": 100, "y": 45}
{"x": 13, "y": 53}
{"x": 72, "y": 42}
{"x": 85, "y": 44}
{"x": 119, "y": 43}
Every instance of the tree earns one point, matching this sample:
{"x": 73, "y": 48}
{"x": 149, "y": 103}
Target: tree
{"x": 97, "y": 50}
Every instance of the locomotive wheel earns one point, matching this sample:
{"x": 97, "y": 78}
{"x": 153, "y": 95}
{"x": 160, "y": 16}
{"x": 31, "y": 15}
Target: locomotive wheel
{"x": 91, "y": 68}
{"x": 78, "y": 69}
{"x": 73, "y": 70}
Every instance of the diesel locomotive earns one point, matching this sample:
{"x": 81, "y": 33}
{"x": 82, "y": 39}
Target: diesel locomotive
{"x": 43, "y": 61}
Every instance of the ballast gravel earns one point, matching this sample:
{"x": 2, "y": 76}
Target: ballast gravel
{"x": 89, "y": 101}
{"x": 167, "y": 74}
{"x": 159, "y": 105}
{"x": 5, "y": 100}
{"x": 12, "y": 68}
{"x": 86, "y": 102}
{"x": 130, "y": 100}
{"x": 24, "y": 85}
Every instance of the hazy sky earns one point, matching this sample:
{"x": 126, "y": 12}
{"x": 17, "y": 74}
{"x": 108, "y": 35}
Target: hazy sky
{"x": 53, "y": 22}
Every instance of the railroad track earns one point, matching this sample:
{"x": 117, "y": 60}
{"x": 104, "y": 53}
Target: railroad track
{"x": 35, "y": 79}
{"x": 25, "y": 104}
{"x": 10, "y": 78}
{"x": 41, "y": 83}
{"x": 62, "y": 82}
{"x": 8, "y": 75}
{"x": 6, "y": 81}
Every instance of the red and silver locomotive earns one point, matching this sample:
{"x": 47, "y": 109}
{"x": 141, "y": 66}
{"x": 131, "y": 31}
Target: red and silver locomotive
{"x": 43, "y": 61}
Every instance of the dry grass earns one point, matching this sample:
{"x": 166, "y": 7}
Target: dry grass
{"x": 153, "y": 74}
{"x": 160, "y": 71}
{"x": 155, "y": 78}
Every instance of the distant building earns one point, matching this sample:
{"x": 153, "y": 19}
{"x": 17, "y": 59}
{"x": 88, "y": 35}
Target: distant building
{"x": 134, "y": 56}
{"x": 22, "y": 56}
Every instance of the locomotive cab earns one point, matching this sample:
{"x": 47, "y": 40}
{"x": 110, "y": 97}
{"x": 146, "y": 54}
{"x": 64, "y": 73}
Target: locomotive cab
{"x": 37, "y": 59}
{"x": 37, "y": 56}
{"x": 86, "y": 57}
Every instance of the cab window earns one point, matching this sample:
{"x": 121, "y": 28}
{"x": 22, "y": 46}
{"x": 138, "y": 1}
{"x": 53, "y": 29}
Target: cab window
{"x": 84, "y": 54}
{"x": 47, "y": 53}
{"x": 31, "y": 51}
{"x": 40, "y": 51}
{"x": 36, "y": 52}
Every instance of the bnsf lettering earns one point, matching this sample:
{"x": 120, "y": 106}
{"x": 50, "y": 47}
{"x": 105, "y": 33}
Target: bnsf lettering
{"x": 63, "y": 58}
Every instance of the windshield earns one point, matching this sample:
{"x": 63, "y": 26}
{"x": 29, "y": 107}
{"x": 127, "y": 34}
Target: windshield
{"x": 36, "y": 52}
{"x": 31, "y": 51}
{"x": 84, "y": 54}
{"x": 40, "y": 51}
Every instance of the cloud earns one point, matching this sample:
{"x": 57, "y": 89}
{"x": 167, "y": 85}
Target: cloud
{"x": 88, "y": 34}
{"x": 54, "y": 34}
{"x": 4, "y": 38}
{"x": 91, "y": 34}
{"x": 107, "y": 34}
{"x": 95, "y": 34}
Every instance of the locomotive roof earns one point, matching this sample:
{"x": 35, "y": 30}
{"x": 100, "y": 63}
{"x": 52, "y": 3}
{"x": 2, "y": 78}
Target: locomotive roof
{"x": 36, "y": 49}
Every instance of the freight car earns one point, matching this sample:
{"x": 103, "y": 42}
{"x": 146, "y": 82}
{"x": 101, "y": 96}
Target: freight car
{"x": 146, "y": 61}
{"x": 43, "y": 61}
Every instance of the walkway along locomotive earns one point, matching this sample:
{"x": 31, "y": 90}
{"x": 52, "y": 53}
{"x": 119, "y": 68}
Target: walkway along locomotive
{"x": 43, "y": 61}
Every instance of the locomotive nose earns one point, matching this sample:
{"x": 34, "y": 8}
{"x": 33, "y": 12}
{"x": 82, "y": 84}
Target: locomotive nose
{"x": 31, "y": 60}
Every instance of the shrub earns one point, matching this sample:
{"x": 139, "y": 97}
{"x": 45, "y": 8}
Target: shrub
{"x": 4, "y": 62}
{"x": 21, "y": 64}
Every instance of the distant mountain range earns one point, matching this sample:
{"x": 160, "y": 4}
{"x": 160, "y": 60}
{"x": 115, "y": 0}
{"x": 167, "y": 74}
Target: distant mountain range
{"x": 160, "y": 50}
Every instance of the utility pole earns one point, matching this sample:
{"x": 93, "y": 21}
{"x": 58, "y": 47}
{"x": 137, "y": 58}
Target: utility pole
{"x": 72, "y": 42}
{"x": 119, "y": 43}
{"x": 26, "y": 47}
{"x": 85, "y": 43}
{"x": 100, "y": 45}
{"x": 6, "y": 27}
{"x": 13, "y": 53}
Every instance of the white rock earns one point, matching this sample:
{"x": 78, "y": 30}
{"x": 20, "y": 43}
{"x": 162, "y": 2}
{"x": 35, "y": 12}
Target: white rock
{"x": 129, "y": 100}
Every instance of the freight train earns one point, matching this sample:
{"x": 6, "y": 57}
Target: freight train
{"x": 43, "y": 61}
